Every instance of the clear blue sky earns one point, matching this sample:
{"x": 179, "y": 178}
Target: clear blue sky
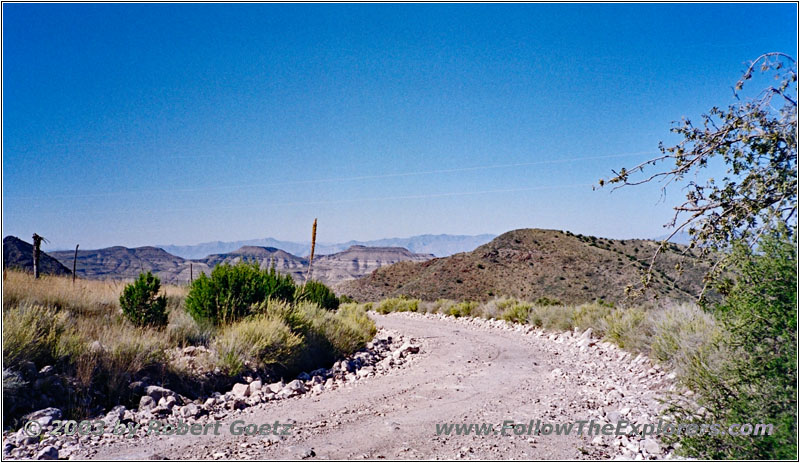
{"x": 176, "y": 124}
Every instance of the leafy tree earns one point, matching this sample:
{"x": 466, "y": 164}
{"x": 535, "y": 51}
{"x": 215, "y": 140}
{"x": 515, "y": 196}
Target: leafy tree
{"x": 228, "y": 294}
{"x": 756, "y": 140}
{"x": 318, "y": 293}
{"x": 758, "y": 381}
{"x": 141, "y": 302}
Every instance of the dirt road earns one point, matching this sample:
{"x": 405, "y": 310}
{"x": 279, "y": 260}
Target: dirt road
{"x": 466, "y": 372}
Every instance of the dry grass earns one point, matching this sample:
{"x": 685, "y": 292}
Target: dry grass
{"x": 80, "y": 329}
{"x": 85, "y": 297}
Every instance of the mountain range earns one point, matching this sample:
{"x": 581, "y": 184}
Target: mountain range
{"x": 438, "y": 245}
{"x": 119, "y": 262}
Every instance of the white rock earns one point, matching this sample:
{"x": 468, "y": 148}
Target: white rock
{"x": 48, "y": 453}
{"x": 241, "y": 390}
{"x": 276, "y": 387}
{"x": 651, "y": 446}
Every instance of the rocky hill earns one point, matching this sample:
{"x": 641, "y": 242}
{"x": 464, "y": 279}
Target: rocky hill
{"x": 18, "y": 254}
{"x": 533, "y": 263}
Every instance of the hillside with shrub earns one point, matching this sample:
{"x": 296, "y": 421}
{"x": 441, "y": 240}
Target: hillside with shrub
{"x": 534, "y": 263}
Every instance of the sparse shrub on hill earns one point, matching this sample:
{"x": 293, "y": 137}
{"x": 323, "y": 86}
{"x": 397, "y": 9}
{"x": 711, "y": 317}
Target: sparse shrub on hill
{"x": 142, "y": 304}
{"x": 231, "y": 290}
{"x": 318, "y": 293}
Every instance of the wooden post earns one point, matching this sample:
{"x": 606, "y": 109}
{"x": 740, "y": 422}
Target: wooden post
{"x": 74, "y": 263}
{"x": 313, "y": 242}
{"x": 37, "y": 241}
{"x": 191, "y": 273}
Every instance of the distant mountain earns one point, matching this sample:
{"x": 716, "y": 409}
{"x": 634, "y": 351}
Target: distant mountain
{"x": 283, "y": 261}
{"x": 357, "y": 261}
{"x": 19, "y": 254}
{"x": 119, "y": 262}
{"x": 438, "y": 245}
{"x": 126, "y": 263}
{"x": 533, "y": 263}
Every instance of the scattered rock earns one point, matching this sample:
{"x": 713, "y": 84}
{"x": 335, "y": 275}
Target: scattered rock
{"x": 47, "y": 453}
{"x": 158, "y": 392}
{"x": 241, "y": 390}
{"x": 44, "y": 417}
{"x": 146, "y": 403}
{"x": 651, "y": 446}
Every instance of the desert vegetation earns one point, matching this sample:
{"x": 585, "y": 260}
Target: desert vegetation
{"x": 80, "y": 346}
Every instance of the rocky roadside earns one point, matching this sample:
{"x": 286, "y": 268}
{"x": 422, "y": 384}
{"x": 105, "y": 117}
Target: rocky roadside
{"x": 387, "y": 351}
{"x": 614, "y": 385}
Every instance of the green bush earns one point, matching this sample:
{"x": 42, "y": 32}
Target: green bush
{"x": 397, "y": 304}
{"x": 231, "y": 290}
{"x": 758, "y": 381}
{"x": 318, "y": 293}
{"x": 141, "y": 303}
{"x": 517, "y": 312}
{"x": 462, "y": 309}
{"x": 546, "y": 301}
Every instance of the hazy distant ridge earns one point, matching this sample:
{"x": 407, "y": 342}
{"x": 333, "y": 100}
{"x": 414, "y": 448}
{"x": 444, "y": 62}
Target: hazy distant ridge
{"x": 438, "y": 245}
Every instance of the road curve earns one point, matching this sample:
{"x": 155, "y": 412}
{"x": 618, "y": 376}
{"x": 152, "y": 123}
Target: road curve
{"x": 465, "y": 372}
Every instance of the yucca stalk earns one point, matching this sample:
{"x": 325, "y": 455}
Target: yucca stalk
{"x": 313, "y": 244}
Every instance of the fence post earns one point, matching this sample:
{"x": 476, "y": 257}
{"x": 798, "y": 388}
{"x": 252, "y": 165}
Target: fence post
{"x": 74, "y": 263}
{"x": 37, "y": 241}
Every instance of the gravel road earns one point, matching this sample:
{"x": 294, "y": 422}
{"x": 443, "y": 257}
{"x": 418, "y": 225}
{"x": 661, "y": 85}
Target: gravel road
{"x": 467, "y": 371}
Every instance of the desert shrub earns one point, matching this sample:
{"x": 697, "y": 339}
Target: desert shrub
{"x": 462, "y": 309}
{"x": 318, "y": 336}
{"x": 437, "y": 306}
{"x": 231, "y": 290}
{"x": 353, "y": 330}
{"x": 757, "y": 382}
{"x": 681, "y": 334}
{"x": 630, "y": 329}
{"x": 142, "y": 304}
{"x": 516, "y": 312}
{"x": 546, "y": 301}
{"x": 183, "y": 330}
{"x": 31, "y": 333}
{"x": 551, "y": 317}
{"x": 256, "y": 342}
{"x": 397, "y": 304}
{"x": 592, "y": 316}
{"x": 318, "y": 293}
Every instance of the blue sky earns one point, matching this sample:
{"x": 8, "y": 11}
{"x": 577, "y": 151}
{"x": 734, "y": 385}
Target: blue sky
{"x": 155, "y": 124}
